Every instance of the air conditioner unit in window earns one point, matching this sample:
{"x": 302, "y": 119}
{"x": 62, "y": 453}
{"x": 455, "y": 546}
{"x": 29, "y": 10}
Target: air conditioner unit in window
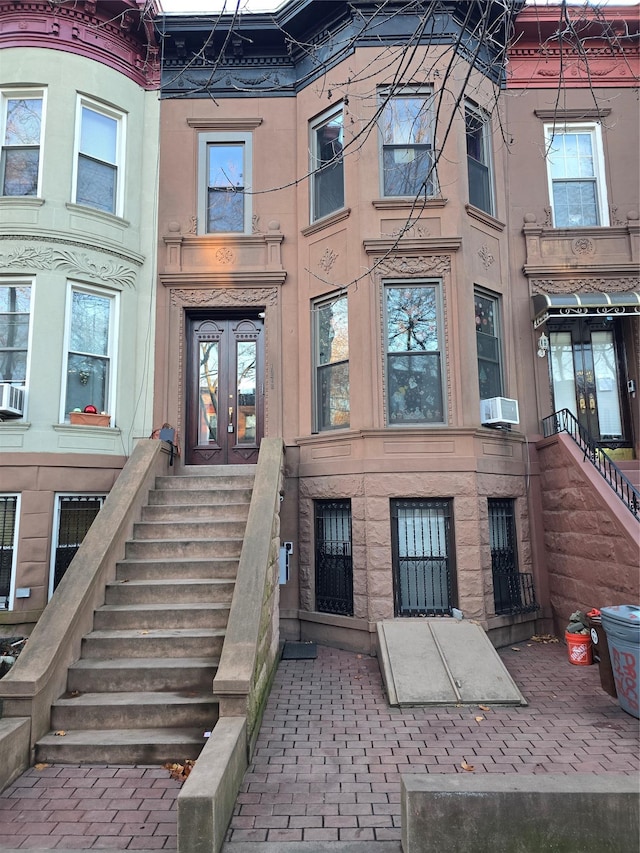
{"x": 496, "y": 411}
{"x": 11, "y": 400}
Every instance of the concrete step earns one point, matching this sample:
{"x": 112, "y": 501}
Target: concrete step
{"x": 192, "y": 512}
{"x": 149, "y": 643}
{"x": 176, "y": 549}
{"x": 134, "y": 710}
{"x": 93, "y": 676}
{"x": 210, "y": 567}
{"x": 190, "y": 591}
{"x": 118, "y": 617}
{"x": 212, "y": 497}
{"x": 121, "y": 746}
{"x": 237, "y": 470}
{"x": 209, "y": 529}
{"x": 221, "y": 480}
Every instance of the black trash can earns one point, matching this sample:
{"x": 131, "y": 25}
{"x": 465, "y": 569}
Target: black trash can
{"x": 600, "y": 651}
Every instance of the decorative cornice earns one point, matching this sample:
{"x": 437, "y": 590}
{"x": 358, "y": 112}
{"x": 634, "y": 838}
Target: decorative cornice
{"x": 118, "y": 34}
{"x": 603, "y": 272}
{"x": 574, "y": 47}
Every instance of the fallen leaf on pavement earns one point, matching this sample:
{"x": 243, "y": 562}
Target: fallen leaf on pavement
{"x": 515, "y": 649}
{"x": 41, "y": 766}
{"x": 60, "y": 733}
{"x": 484, "y": 707}
{"x": 479, "y": 719}
{"x": 466, "y": 766}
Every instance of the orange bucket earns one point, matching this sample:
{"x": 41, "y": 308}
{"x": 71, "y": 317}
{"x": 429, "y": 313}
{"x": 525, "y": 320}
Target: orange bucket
{"x": 580, "y": 651}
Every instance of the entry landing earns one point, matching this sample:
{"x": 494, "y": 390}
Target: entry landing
{"x": 442, "y": 661}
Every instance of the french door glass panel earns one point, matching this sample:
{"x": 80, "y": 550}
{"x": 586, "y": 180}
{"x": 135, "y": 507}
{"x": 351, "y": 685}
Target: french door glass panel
{"x": 606, "y": 384}
{"x": 208, "y": 396}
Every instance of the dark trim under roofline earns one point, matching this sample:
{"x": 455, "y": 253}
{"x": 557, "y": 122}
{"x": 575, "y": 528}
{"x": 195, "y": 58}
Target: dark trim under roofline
{"x": 258, "y": 54}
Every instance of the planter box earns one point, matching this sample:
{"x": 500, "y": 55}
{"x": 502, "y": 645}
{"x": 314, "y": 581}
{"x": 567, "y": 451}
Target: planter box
{"x": 87, "y": 419}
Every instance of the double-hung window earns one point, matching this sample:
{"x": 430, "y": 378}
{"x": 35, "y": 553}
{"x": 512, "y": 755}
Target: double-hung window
{"x": 327, "y": 164}
{"x": 414, "y": 361}
{"x": 74, "y": 515}
{"x": 331, "y": 342}
{"x": 15, "y": 306}
{"x": 99, "y": 161}
{"x": 488, "y": 344}
{"x": 22, "y": 125}
{"x": 406, "y": 128}
{"x": 575, "y": 171}
{"x": 91, "y": 336}
{"x": 479, "y": 168}
{"x": 224, "y": 174}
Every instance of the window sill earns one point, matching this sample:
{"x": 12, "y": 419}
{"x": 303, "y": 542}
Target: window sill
{"x": 326, "y": 221}
{"x": 97, "y": 214}
{"x": 408, "y": 202}
{"x": 20, "y": 201}
{"x": 14, "y": 425}
{"x": 87, "y": 430}
{"x": 485, "y": 218}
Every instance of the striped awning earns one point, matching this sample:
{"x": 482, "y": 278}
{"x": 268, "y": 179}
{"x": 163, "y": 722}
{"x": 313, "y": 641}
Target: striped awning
{"x": 546, "y": 305}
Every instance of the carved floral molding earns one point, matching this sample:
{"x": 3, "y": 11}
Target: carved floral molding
{"x": 71, "y": 262}
{"x": 415, "y": 265}
{"x": 585, "y": 285}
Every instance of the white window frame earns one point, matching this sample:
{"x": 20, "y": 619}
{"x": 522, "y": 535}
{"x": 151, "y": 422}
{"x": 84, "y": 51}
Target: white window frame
{"x": 594, "y": 129}
{"x": 114, "y": 318}
{"x": 120, "y": 118}
{"x": 14, "y": 558}
{"x": 314, "y": 126}
{"x": 55, "y": 531}
{"x": 28, "y": 94}
{"x": 417, "y": 92}
{"x": 30, "y": 283}
{"x": 220, "y": 138}
{"x": 485, "y": 119}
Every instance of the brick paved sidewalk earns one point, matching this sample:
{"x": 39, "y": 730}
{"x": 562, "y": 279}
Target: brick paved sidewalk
{"x": 329, "y": 756}
{"x": 330, "y": 752}
{"x": 67, "y": 807}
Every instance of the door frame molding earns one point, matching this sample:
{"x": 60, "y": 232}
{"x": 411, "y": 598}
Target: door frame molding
{"x": 184, "y": 299}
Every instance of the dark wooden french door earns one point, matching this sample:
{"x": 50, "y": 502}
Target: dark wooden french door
{"x": 225, "y": 388}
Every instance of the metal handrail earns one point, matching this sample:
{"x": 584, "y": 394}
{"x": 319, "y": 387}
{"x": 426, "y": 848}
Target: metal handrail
{"x": 565, "y": 421}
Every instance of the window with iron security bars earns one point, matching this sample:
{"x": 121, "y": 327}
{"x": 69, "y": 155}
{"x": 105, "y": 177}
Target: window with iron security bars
{"x": 512, "y": 590}
{"x": 334, "y": 567}
{"x": 422, "y": 549}
{"x": 75, "y": 516}
{"x": 8, "y": 509}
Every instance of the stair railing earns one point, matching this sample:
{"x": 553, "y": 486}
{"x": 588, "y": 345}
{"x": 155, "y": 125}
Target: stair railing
{"x": 564, "y": 421}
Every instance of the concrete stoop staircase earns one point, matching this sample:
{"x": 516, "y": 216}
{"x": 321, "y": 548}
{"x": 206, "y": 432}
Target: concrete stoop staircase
{"x": 141, "y": 692}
